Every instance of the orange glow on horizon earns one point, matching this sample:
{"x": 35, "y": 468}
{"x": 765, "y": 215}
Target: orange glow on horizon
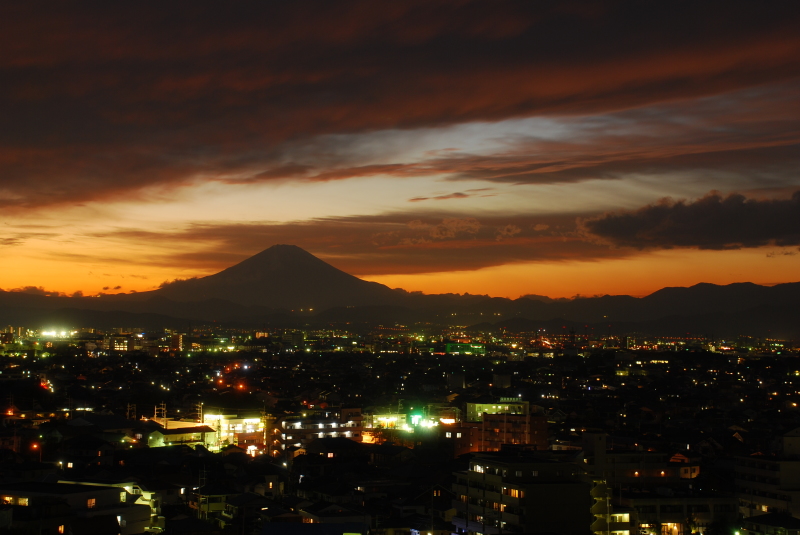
{"x": 638, "y": 275}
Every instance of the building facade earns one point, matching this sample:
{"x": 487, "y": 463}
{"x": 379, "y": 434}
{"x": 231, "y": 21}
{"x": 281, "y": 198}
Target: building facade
{"x": 523, "y": 492}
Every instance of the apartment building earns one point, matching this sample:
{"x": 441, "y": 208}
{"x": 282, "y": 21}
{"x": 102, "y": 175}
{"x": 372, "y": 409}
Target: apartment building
{"x": 523, "y": 492}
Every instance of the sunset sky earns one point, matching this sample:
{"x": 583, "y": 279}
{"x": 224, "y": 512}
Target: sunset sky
{"x": 502, "y": 148}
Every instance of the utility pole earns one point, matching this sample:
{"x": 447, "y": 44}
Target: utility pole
{"x": 201, "y": 482}
{"x": 161, "y": 414}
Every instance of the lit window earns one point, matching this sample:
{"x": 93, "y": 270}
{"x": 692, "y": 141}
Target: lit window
{"x": 330, "y": 455}
{"x": 91, "y": 503}
{"x": 61, "y": 528}
{"x": 22, "y": 501}
{"x": 448, "y": 434}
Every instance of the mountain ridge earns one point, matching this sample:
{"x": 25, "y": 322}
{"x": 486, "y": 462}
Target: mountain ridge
{"x": 285, "y": 279}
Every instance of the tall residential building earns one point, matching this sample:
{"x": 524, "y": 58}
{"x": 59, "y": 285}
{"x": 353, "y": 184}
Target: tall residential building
{"x": 770, "y": 483}
{"x": 523, "y": 492}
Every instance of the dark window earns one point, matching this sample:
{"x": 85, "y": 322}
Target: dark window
{"x": 672, "y": 508}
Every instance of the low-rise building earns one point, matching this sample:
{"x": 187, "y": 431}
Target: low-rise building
{"x": 191, "y": 436}
{"x": 299, "y": 430}
{"x": 772, "y": 524}
{"x": 84, "y": 502}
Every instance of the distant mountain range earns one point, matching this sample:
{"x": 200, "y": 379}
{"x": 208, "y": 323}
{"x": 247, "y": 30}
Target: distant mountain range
{"x": 285, "y": 286}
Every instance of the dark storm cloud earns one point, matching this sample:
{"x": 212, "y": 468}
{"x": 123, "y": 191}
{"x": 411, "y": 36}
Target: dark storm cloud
{"x": 712, "y": 222}
{"x": 101, "y": 98}
{"x": 386, "y": 244}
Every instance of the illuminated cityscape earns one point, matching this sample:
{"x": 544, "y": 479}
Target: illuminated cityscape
{"x": 427, "y": 267}
{"x": 495, "y": 431}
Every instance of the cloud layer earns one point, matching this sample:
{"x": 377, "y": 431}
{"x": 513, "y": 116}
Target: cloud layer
{"x": 415, "y": 242}
{"x": 410, "y": 242}
{"x": 102, "y": 100}
{"x": 713, "y": 222}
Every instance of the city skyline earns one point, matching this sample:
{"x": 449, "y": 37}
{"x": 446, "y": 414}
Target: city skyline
{"x": 462, "y": 147}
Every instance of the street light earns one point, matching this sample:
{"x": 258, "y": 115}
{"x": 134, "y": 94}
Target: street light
{"x": 36, "y": 447}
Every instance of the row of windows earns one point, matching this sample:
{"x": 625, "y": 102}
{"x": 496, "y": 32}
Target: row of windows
{"x": 308, "y": 436}
{"x": 91, "y": 503}
{"x": 480, "y": 486}
{"x": 758, "y": 479}
{"x": 756, "y": 492}
{"x": 690, "y": 508}
{"x": 14, "y": 500}
{"x": 504, "y": 472}
{"x": 333, "y": 425}
{"x": 759, "y": 465}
